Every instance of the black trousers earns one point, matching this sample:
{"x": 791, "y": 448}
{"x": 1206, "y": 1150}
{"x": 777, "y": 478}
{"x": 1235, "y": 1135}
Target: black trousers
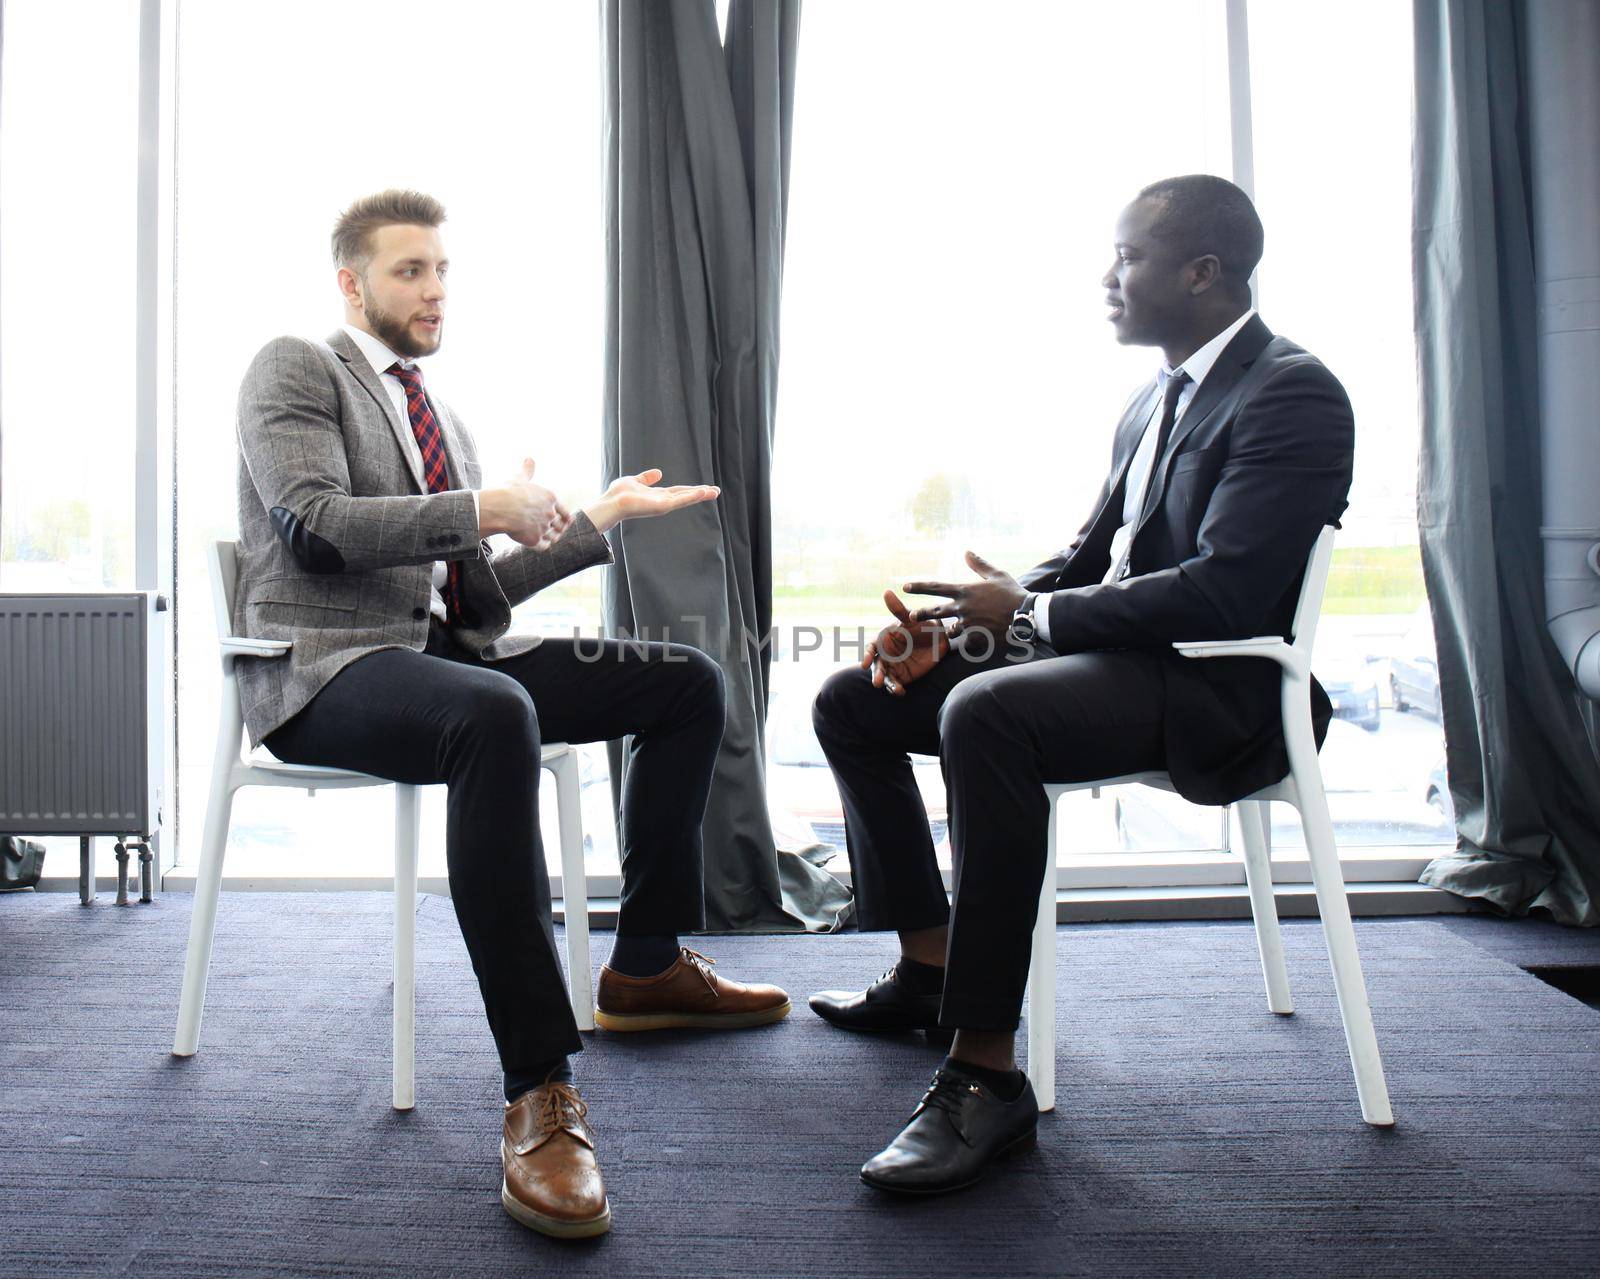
{"x": 444, "y": 715}
{"x": 1001, "y": 727}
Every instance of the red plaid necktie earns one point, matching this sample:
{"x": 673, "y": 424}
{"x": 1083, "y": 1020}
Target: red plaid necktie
{"x": 430, "y": 440}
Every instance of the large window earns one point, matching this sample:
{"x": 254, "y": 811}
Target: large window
{"x": 494, "y": 112}
{"x": 68, "y": 153}
{"x": 68, "y": 150}
{"x": 1333, "y": 183}
{"x": 948, "y": 378}
{"x": 949, "y": 381}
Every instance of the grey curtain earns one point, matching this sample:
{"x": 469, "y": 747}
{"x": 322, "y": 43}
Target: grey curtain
{"x": 697, "y": 175}
{"x": 1523, "y": 772}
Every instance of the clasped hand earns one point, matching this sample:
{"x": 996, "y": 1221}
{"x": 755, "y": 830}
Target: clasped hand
{"x": 526, "y": 512}
{"x": 918, "y": 640}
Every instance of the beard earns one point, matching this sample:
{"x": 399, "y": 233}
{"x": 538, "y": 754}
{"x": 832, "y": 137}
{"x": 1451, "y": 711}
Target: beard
{"x": 395, "y": 333}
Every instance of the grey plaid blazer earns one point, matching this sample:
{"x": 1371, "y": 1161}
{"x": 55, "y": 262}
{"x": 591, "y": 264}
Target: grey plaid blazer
{"x": 338, "y": 533}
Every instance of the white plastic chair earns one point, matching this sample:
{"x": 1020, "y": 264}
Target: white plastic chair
{"x": 233, "y": 770}
{"x": 1302, "y": 788}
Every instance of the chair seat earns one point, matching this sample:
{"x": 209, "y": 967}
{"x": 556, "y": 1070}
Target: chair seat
{"x": 267, "y": 769}
{"x": 1283, "y": 790}
{"x": 1159, "y": 780}
{"x": 261, "y": 761}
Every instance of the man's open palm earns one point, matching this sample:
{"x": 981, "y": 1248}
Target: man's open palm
{"x": 637, "y": 497}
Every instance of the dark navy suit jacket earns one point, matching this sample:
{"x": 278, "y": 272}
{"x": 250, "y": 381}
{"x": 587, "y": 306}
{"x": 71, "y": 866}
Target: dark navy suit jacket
{"x": 1258, "y": 464}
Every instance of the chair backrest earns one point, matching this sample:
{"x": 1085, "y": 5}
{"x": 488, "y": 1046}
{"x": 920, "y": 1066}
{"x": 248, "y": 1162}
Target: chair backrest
{"x": 224, "y": 559}
{"x": 1312, "y": 589}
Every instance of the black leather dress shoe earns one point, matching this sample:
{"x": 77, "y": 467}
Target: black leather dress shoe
{"x": 954, "y": 1135}
{"x": 884, "y": 1005}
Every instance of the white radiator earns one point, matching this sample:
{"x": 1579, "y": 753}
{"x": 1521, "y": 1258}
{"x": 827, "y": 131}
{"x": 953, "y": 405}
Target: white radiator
{"x": 81, "y": 740}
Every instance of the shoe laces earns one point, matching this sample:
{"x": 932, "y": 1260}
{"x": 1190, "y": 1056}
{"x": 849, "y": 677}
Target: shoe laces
{"x": 949, "y": 1093}
{"x": 561, "y": 1101}
{"x": 702, "y": 963}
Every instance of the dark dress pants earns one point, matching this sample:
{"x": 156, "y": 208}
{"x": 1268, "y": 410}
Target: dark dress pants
{"x": 444, "y": 715}
{"x": 1001, "y": 727}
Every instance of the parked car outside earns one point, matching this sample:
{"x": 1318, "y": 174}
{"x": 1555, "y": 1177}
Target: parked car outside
{"x": 1352, "y": 685}
{"x": 1374, "y": 787}
{"x": 1414, "y": 669}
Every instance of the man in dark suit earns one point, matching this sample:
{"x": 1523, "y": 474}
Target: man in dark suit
{"x": 364, "y": 527}
{"x": 1224, "y": 470}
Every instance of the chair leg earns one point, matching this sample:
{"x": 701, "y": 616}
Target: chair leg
{"x": 1255, "y": 830}
{"x": 406, "y": 823}
{"x": 1337, "y": 928}
{"x": 574, "y": 886}
{"x": 1042, "y": 981}
{"x": 203, "y": 915}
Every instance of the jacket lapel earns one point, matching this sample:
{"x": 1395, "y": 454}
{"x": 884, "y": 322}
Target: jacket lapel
{"x": 455, "y": 452}
{"x": 1125, "y": 443}
{"x": 1231, "y": 365}
{"x": 356, "y": 363}
{"x": 1094, "y": 536}
{"x": 1131, "y": 430}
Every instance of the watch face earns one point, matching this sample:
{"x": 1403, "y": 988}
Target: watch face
{"x": 1023, "y": 628}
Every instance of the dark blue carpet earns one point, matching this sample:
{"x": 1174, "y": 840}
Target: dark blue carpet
{"x": 1197, "y": 1133}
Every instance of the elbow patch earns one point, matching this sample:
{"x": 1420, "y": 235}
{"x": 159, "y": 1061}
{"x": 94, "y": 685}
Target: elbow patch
{"x": 314, "y": 554}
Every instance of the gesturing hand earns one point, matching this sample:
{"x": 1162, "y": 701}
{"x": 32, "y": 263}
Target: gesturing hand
{"x": 528, "y": 512}
{"x": 904, "y": 651}
{"x": 633, "y": 497}
{"x": 985, "y": 605}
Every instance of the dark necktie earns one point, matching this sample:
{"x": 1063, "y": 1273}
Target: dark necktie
{"x": 1169, "y": 412}
{"x": 430, "y": 440}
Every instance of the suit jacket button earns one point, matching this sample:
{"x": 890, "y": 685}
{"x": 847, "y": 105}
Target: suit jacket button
{"x": 455, "y": 539}
{"x": 419, "y": 613}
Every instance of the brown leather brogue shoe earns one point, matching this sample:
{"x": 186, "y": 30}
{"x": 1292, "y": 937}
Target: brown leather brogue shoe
{"x": 689, "y": 995}
{"x": 552, "y": 1183}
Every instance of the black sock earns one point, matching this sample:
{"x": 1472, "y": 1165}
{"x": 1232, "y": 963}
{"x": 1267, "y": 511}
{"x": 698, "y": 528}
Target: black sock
{"x": 643, "y": 955}
{"x": 919, "y": 978}
{"x": 1004, "y": 1084}
{"x": 558, "y": 1070}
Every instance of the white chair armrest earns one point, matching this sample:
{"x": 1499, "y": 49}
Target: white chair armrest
{"x": 1272, "y": 647}
{"x": 244, "y": 646}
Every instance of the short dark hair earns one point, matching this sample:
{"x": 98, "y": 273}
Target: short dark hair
{"x": 352, "y": 233}
{"x": 1203, "y": 214}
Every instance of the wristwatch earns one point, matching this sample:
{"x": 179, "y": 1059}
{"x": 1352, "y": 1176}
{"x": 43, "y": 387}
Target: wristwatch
{"x": 1023, "y": 628}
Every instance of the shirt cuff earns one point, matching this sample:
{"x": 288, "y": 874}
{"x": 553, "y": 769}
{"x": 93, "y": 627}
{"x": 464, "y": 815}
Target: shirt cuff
{"x": 1041, "y": 614}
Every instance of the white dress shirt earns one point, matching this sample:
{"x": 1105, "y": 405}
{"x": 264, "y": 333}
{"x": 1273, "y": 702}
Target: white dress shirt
{"x": 380, "y": 357}
{"x": 1197, "y": 366}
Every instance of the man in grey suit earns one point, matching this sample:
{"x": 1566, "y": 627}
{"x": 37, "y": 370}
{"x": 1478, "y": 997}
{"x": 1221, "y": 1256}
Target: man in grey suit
{"x": 363, "y": 540}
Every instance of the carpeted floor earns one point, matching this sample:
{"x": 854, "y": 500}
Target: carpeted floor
{"x": 1196, "y": 1134}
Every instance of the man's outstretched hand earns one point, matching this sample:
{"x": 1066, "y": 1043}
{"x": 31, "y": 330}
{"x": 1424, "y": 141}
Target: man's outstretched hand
{"x": 985, "y": 605}
{"x": 634, "y": 497}
{"x": 905, "y": 651}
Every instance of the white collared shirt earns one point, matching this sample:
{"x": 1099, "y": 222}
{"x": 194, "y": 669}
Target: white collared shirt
{"x": 1197, "y": 366}
{"x": 380, "y": 357}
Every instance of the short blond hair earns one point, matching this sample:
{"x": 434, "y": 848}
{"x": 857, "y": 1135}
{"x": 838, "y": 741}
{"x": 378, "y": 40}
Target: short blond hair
{"x": 352, "y": 233}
